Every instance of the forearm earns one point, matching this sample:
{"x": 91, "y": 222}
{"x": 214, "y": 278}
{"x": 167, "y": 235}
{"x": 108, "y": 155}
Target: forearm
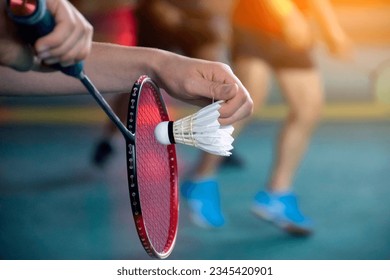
{"x": 112, "y": 68}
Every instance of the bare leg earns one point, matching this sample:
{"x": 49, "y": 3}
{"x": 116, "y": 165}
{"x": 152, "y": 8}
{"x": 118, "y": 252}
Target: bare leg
{"x": 254, "y": 74}
{"x": 303, "y": 92}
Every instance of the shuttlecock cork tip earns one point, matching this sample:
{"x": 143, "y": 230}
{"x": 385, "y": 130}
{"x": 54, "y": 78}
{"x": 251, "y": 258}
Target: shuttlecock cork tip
{"x": 163, "y": 133}
{"x": 201, "y": 130}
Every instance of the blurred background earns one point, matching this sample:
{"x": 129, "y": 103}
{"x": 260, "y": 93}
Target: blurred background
{"x": 56, "y": 204}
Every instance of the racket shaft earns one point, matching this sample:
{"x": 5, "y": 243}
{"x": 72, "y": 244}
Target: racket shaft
{"x": 106, "y": 107}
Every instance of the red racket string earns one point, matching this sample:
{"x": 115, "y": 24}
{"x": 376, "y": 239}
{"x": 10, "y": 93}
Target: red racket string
{"x": 156, "y": 176}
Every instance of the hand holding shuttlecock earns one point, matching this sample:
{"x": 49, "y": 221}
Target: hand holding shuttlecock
{"x": 201, "y": 130}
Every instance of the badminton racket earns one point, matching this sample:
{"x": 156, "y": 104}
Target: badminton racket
{"x": 152, "y": 171}
{"x": 152, "y": 167}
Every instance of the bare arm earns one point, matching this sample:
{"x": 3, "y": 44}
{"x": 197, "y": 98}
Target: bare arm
{"x": 114, "y": 69}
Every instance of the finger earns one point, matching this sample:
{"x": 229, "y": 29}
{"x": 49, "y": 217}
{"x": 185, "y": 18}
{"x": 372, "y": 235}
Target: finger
{"x": 237, "y": 108}
{"x": 78, "y": 44}
{"x": 203, "y": 92}
{"x": 65, "y": 24}
{"x": 235, "y": 96}
{"x": 220, "y": 91}
{"x": 242, "y": 112}
{"x": 77, "y": 52}
{"x": 58, "y": 53}
{"x": 70, "y": 47}
{"x": 207, "y": 79}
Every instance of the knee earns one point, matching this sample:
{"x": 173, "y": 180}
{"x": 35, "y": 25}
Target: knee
{"x": 308, "y": 114}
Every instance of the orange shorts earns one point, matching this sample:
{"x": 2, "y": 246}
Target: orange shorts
{"x": 269, "y": 48}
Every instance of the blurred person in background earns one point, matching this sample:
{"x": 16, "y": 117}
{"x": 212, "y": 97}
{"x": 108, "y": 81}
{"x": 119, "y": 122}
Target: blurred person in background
{"x": 274, "y": 35}
{"x": 199, "y": 29}
{"x": 277, "y": 35}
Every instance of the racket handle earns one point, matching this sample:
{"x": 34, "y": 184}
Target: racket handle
{"x": 36, "y": 23}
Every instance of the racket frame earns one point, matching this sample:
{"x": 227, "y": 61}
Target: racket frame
{"x": 134, "y": 191}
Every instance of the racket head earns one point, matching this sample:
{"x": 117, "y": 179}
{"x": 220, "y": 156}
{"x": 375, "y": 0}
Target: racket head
{"x": 152, "y": 171}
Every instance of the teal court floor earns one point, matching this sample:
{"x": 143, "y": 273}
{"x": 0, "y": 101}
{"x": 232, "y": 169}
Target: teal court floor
{"x": 55, "y": 205}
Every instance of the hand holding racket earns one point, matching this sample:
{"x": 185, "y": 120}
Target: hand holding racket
{"x": 152, "y": 168}
{"x": 66, "y": 43}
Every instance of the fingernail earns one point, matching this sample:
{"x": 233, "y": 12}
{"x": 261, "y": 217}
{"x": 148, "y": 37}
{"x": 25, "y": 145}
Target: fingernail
{"x": 42, "y": 48}
{"x": 44, "y": 54}
{"x": 227, "y": 87}
{"x": 51, "y": 61}
{"x": 67, "y": 63}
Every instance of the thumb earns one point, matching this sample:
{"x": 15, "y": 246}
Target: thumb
{"x": 221, "y": 91}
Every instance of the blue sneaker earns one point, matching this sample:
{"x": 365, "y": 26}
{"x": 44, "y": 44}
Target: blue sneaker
{"x": 204, "y": 203}
{"x": 283, "y": 211}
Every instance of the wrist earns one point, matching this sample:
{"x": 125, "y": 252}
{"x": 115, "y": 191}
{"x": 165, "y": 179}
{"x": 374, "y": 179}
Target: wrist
{"x": 154, "y": 63}
{"x": 158, "y": 65}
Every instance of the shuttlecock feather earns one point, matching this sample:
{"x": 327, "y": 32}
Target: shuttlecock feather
{"x": 201, "y": 130}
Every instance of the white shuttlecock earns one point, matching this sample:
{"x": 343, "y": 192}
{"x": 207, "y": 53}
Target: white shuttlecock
{"x": 201, "y": 130}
